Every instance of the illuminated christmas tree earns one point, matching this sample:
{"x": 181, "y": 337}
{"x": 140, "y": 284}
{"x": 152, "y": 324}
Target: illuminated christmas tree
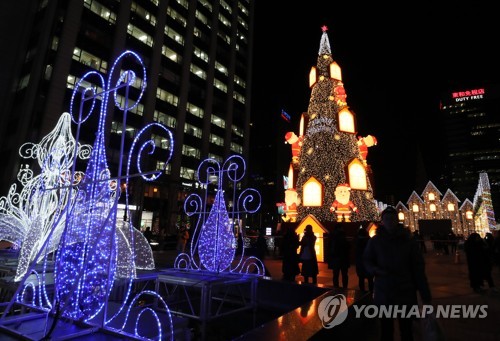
{"x": 332, "y": 173}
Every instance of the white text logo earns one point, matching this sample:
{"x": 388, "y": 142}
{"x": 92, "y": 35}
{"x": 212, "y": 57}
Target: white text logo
{"x": 414, "y": 311}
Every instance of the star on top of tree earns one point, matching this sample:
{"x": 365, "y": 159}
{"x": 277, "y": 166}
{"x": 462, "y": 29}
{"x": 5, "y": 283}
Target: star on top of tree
{"x": 324, "y": 45}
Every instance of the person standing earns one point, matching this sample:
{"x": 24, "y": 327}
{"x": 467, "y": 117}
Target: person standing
{"x": 362, "y": 239}
{"x": 395, "y": 260}
{"x": 420, "y": 240}
{"x": 290, "y": 265}
{"x": 478, "y": 266}
{"x": 308, "y": 255}
{"x": 148, "y": 234}
{"x": 339, "y": 257}
{"x": 488, "y": 260}
{"x": 182, "y": 239}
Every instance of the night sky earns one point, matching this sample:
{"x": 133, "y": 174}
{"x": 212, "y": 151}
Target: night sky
{"x": 396, "y": 65}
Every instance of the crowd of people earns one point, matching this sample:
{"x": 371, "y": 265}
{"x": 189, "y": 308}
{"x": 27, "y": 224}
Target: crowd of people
{"x": 299, "y": 254}
{"x": 390, "y": 265}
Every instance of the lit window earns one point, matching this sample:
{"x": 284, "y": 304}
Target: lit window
{"x": 346, "y": 121}
{"x": 357, "y": 175}
{"x": 335, "y": 71}
{"x": 312, "y": 76}
{"x": 451, "y": 207}
{"x": 468, "y": 214}
{"x": 401, "y": 216}
{"x": 431, "y": 196}
{"x": 290, "y": 177}
{"x": 432, "y": 207}
{"x": 415, "y": 208}
{"x": 313, "y": 193}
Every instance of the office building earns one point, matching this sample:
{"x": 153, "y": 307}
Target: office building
{"x": 472, "y": 124}
{"x": 197, "y": 55}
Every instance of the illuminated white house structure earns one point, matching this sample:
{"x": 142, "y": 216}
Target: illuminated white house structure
{"x": 71, "y": 296}
{"x": 466, "y": 217}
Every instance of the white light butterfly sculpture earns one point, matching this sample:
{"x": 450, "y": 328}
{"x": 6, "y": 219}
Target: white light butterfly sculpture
{"x": 75, "y": 212}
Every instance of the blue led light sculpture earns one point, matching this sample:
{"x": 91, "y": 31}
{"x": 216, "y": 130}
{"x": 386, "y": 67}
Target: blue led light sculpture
{"x": 214, "y": 243}
{"x": 94, "y": 246}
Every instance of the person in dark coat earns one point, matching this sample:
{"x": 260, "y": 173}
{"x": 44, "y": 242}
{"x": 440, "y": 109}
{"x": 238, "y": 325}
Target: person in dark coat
{"x": 362, "y": 239}
{"x": 339, "y": 257}
{"x": 395, "y": 260}
{"x": 308, "y": 256}
{"x": 476, "y": 251}
{"x": 489, "y": 259}
{"x": 290, "y": 265}
{"x": 148, "y": 234}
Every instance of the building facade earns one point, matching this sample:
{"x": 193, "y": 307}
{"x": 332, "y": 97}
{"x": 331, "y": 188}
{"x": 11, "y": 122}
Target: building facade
{"x": 197, "y": 55}
{"x": 472, "y": 124}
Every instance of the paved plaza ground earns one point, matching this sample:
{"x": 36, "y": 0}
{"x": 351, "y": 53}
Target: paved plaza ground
{"x": 449, "y": 284}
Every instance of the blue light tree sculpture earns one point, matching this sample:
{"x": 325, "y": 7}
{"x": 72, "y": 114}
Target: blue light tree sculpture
{"x": 213, "y": 246}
